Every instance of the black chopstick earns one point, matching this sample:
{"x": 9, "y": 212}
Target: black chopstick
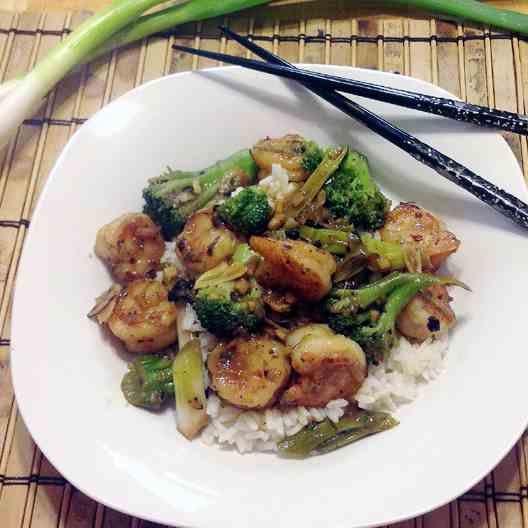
{"x": 500, "y": 200}
{"x": 441, "y": 106}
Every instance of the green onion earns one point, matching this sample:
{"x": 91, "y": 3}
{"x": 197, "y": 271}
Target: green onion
{"x": 332, "y": 240}
{"x": 120, "y": 23}
{"x": 166, "y": 19}
{"x": 470, "y": 10}
{"x": 100, "y": 33}
{"x": 89, "y": 36}
{"x": 224, "y": 272}
{"x": 302, "y": 198}
{"x": 189, "y": 387}
{"x": 325, "y": 436}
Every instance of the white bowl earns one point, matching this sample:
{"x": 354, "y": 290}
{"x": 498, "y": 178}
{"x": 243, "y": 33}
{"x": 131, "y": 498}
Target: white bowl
{"x": 67, "y": 375}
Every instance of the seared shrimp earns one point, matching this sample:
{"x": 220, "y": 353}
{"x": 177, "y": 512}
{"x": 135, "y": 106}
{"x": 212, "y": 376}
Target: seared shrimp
{"x": 427, "y": 315}
{"x": 131, "y": 245}
{"x": 329, "y": 366}
{"x": 287, "y": 151}
{"x": 143, "y": 318}
{"x": 249, "y": 372}
{"x": 295, "y": 266}
{"x": 202, "y": 244}
{"x": 419, "y": 230}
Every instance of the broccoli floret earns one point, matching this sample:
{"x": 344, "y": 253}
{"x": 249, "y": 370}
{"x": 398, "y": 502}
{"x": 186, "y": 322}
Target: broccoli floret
{"x": 148, "y": 381}
{"x": 348, "y": 312}
{"x": 372, "y": 329}
{"x": 376, "y": 342}
{"x": 351, "y": 194}
{"x": 247, "y": 212}
{"x": 172, "y": 197}
{"x": 224, "y": 313}
{"x": 312, "y": 156}
{"x": 161, "y": 208}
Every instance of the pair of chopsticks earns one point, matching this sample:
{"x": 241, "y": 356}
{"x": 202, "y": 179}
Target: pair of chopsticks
{"x": 328, "y": 87}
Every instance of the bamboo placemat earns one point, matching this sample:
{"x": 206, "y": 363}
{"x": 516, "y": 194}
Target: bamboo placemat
{"x": 478, "y": 65}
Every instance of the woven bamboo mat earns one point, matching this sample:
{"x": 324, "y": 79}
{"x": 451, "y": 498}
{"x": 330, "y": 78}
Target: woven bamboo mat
{"x": 482, "y": 67}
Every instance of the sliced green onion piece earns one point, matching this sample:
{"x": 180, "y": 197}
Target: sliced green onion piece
{"x": 366, "y": 424}
{"x": 189, "y": 387}
{"x": 325, "y": 436}
{"x": 303, "y": 443}
{"x": 224, "y": 272}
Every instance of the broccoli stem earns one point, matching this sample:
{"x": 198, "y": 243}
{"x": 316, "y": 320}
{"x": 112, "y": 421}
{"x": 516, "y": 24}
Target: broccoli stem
{"x": 191, "y": 402}
{"x": 304, "y": 196}
{"x": 333, "y": 240}
{"x": 207, "y": 194}
{"x": 175, "y": 185}
{"x": 239, "y": 161}
{"x": 179, "y": 174}
{"x": 211, "y": 178}
{"x": 396, "y": 302}
{"x": 388, "y": 256}
{"x": 175, "y": 195}
{"x": 352, "y": 300}
{"x": 402, "y": 295}
{"x": 148, "y": 381}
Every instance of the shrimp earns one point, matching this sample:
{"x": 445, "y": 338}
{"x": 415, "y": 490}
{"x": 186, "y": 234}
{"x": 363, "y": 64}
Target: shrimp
{"x": 420, "y": 231}
{"x": 427, "y": 315}
{"x": 249, "y": 372}
{"x": 329, "y": 366}
{"x": 203, "y": 244}
{"x": 143, "y": 318}
{"x": 131, "y": 246}
{"x": 287, "y": 151}
{"x": 294, "y": 265}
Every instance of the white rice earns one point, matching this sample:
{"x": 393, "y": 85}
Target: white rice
{"x": 399, "y": 379}
{"x": 261, "y": 430}
{"x": 170, "y": 256}
{"x": 277, "y": 185}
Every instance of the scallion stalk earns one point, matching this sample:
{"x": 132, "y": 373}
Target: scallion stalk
{"x": 116, "y": 25}
{"x": 120, "y": 23}
{"x": 189, "y": 387}
{"x": 19, "y": 103}
{"x": 470, "y": 10}
{"x": 163, "y": 20}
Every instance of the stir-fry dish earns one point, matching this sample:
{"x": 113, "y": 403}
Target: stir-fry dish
{"x": 277, "y": 298}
